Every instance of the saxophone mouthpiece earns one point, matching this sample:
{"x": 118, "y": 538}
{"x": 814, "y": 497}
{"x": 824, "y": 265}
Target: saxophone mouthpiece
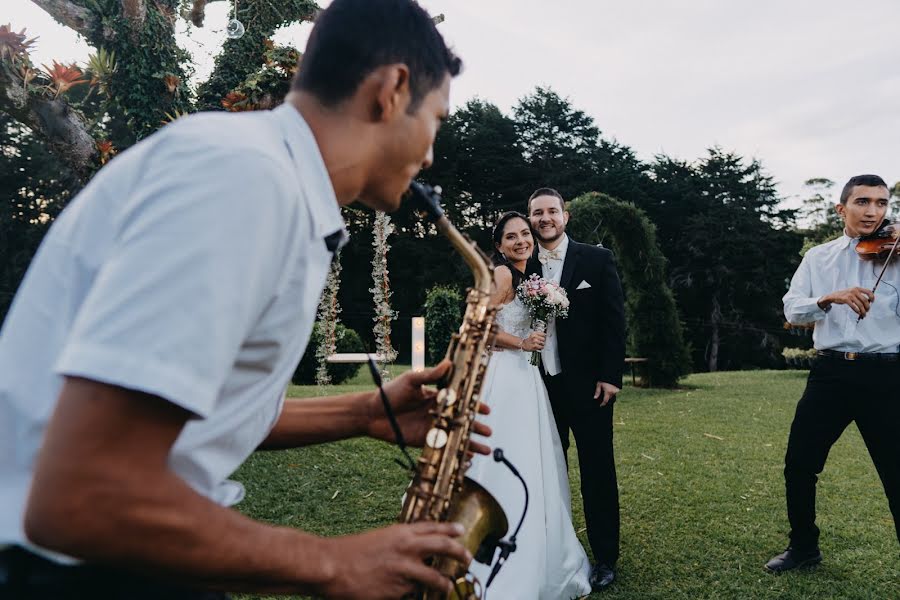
{"x": 426, "y": 199}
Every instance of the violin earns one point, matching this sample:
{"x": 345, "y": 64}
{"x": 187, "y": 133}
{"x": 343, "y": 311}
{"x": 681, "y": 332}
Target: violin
{"x": 881, "y": 244}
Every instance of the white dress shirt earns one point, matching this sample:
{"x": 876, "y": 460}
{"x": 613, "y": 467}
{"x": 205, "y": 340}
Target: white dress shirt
{"x": 189, "y": 268}
{"x": 552, "y": 270}
{"x": 835, "y": 266}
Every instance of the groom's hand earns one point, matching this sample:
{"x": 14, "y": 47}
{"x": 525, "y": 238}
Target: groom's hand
{"x": 605, "y": 392}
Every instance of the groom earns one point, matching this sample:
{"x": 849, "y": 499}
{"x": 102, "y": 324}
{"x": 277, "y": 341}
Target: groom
{"x": 582, "y": 365}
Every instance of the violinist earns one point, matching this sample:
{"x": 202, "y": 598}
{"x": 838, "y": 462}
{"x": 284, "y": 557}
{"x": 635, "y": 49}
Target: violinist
{"x": 857, "y": 339}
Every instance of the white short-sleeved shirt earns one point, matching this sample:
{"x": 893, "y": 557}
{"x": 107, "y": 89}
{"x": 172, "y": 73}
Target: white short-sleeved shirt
{"x": 189, "y": 268}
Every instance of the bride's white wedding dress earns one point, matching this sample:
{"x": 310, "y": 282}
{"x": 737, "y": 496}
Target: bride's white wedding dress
{"x": 549, "y": 562}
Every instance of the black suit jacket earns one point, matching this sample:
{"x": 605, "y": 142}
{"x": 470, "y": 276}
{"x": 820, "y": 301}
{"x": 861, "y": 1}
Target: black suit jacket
{"x": 591, "y": 340}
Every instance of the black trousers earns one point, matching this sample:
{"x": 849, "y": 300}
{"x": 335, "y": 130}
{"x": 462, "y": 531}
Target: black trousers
{"x": 839, "y": 392}
{"x": 27, "y": 576}
{"x": 574, "y": 408}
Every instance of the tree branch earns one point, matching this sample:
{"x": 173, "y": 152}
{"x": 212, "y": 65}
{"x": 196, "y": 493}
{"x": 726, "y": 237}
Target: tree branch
{"x": 70, "y": 14}
{"x": 53, "y": 119}
{"x": 198, "y": 11}
{"x": 135, "y": 11}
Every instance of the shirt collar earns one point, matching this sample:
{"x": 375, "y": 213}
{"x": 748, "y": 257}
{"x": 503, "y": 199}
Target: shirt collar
{"x": 311, "y": 171}
{"x": 845, "y": 240}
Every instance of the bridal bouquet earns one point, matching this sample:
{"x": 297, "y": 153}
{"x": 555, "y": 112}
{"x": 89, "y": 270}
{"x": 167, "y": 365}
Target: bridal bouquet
{"x": 544, "y": 300}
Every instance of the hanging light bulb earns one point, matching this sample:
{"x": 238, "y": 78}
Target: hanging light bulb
{"x": 235, "y": 29}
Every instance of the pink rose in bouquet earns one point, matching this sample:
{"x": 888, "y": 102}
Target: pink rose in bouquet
{"x": 544, "y": 300}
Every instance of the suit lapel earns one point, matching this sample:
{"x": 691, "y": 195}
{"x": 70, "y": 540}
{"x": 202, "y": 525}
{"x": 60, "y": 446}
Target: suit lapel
{"x": 569, "y": 264}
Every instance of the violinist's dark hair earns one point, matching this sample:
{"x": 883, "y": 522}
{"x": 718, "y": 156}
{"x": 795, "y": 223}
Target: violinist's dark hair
{"x": 497, "y": 235}
{"x": 352, "y": 38}
{"x": 866, "y": 180}
{"x": 546, "y": 191}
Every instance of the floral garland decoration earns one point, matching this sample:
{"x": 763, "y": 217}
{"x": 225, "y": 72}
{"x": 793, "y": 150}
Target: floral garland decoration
{"x": 329, "y": 309}
{"x": 381, "y": 293}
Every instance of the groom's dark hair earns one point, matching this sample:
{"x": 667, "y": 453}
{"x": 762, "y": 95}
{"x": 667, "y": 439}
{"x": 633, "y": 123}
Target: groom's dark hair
{"x": 352, "y": 38}
{"x": 546, "y": 191}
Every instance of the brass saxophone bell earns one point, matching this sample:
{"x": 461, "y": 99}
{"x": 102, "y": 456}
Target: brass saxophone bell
{"x": 484, "y": 524}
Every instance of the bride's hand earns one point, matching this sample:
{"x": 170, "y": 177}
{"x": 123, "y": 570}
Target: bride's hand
{"x": 534, "y": 341}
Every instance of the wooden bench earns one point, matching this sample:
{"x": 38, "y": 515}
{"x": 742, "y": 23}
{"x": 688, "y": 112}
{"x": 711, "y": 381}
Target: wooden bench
{"x": 360, "y": 357}
{"x": 632, "y": 361}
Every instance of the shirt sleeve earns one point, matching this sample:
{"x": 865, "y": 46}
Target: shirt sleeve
{"x": 800, "y": 305}
{"x": 193, "y": 267}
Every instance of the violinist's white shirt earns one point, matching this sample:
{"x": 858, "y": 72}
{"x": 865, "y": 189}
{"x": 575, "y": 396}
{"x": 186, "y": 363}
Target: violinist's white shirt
{"x": 835, "y": 266}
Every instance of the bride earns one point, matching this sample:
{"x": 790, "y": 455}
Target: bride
{"x": 549, "y": 562}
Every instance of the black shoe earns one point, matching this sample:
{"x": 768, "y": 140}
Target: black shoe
{"x": 794, "y": 559}
{"x": 602, "y": 576}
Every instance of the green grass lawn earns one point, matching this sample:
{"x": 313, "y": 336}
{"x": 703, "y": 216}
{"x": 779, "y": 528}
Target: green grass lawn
{"x": 701, "y": 490}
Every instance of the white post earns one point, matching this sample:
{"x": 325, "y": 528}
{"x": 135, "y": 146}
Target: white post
{"x": 418, "y": 343}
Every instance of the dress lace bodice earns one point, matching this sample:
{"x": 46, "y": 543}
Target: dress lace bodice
{"x": 513, "y": 318}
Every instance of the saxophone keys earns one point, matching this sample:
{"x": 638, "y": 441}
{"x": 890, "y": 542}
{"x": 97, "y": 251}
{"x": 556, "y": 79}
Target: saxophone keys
{"x": 447, "y": 397}
{"x": 436, "y": 438}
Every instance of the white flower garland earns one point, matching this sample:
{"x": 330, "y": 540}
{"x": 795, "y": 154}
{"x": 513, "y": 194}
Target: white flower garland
{"x": 381, "y": 293}
{"x": 329, "y": 309}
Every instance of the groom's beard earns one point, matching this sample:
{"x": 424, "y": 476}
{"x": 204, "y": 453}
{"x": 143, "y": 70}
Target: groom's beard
{"x": 543, "y": 241}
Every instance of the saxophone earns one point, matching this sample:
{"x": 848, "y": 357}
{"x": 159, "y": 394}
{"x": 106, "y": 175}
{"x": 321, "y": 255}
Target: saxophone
{"x": 439, "y": 490}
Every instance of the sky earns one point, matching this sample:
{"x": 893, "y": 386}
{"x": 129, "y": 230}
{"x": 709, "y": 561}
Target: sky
{"x": 811, "y": 88}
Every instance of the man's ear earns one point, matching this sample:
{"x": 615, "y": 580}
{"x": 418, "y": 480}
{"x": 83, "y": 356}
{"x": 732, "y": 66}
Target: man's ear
{"x": 392, "y": 93}
{"x": 839, "y": 209}
{"x": 565, "y": 217}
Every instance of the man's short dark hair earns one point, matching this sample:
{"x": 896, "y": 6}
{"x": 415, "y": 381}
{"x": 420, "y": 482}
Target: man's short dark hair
{"x": 866, "y": 180}
{"x": 352, "y": 38}
{"x": 546, "y": 191}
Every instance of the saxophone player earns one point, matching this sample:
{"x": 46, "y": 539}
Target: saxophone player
{"x": 175, "y": 281}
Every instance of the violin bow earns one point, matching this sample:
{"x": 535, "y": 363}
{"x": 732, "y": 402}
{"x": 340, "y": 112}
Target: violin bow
{"x": 883, "y": 269}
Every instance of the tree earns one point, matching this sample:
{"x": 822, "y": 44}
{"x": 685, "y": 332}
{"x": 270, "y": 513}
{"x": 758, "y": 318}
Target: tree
{"x": 557, "y": 140}
{"x": 138, "y": 76}
{"x": 60, "y": 123}
{"x": 479, "y": 165}
{"x": 822, "y": 221}
{"x": 33, "y": 189}
{"x": 731, "y": 249}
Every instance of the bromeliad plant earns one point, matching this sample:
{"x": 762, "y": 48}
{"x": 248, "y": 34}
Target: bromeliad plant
{"x": 63, "y": 78}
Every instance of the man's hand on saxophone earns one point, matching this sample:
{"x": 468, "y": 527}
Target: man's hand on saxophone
{"x": 389, "y": 563}
{"x": 411, "y": 401}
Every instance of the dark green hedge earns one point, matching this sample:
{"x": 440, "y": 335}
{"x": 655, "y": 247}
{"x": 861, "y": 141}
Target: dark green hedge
{"x": 346, "y": 340}
{"x": 443, "y": 316}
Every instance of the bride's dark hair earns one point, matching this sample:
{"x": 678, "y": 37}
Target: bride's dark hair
{"x": 497, "y": 257}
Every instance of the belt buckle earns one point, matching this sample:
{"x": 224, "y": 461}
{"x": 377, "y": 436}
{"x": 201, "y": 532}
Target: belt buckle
{"x": 850, "y": 355}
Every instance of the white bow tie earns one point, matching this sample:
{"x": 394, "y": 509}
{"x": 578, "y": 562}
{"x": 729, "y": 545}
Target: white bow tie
{"x": 544, "y": 256}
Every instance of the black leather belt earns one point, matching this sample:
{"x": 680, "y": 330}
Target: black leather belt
{"x": 869, "y": 356}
